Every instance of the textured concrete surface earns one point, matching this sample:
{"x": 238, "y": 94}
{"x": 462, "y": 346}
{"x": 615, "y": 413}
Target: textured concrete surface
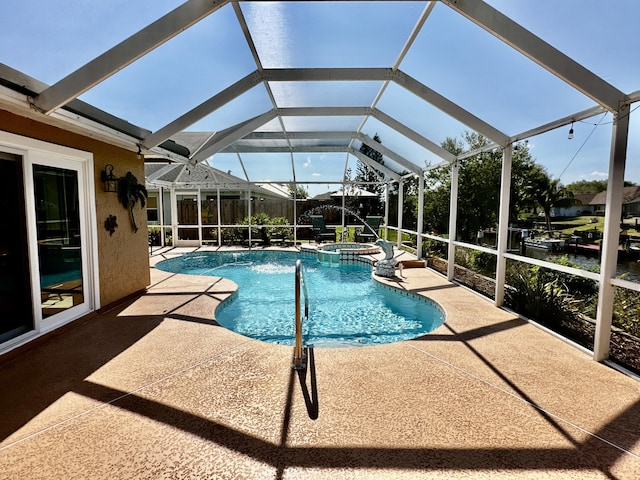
{"x": 156, "y": 389}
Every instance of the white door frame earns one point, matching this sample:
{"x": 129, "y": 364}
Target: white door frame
{"x": 37, "y": 152}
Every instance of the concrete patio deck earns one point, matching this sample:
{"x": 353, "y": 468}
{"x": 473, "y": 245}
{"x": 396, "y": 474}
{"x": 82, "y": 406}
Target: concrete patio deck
{"x": 156, "y": 389}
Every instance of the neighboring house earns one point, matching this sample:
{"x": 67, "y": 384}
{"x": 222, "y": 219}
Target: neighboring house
{"x": 277, "y": 189}
{"x": 162, "y": 173}
{"x": 324, "y": 197}
{"x": 630, "y": 201}
{"x": 583, "y": 206}
{"x": 190, "y": 202}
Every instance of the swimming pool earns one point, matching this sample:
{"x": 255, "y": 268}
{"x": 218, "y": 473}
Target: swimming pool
{"x": 346, "y": 307}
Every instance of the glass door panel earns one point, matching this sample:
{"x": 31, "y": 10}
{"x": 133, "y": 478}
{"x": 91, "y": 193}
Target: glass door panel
{"x": 16, "y": 311}
{"x": 58, "y": 232}
{"x": 187, "y": 205}
{"x": 187, "y": 209}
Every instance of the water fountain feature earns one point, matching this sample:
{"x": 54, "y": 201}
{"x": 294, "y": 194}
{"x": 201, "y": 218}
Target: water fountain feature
{"x": 350, "y": 252}
{"x": 342, "y": 252}
{"x": 387, "y": 266}
{"x": 321, "y": 208}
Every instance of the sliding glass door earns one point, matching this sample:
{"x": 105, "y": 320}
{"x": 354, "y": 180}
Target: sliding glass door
{"x": 59, "y": 236}
{"x": 48, "y": 259}
{"x": 16, "y": 310}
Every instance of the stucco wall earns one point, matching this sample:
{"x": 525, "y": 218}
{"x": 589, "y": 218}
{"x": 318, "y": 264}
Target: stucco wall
{"x": 122, "y": 257}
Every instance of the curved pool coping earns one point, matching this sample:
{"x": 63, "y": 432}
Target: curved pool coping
{"x": 352, "y": 247}
{"x": 383, "y": 281}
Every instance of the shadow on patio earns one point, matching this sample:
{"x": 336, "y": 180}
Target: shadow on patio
{"x": 155, "y": 388}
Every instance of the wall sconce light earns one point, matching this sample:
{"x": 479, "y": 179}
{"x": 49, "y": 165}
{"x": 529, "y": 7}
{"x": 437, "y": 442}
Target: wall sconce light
{"x": 571, "y": 131}
{"x": 109, "y": 179}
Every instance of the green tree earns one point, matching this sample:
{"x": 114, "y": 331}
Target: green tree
{"x": 369, "y": 179}
{"x": 409, "y": 204}
{"x": 592, "y": 186}
{"x": 547, "y": 193}
{"x": 478, "y": 187}
{"x": 587, "y": 186}
{"x": 299, "y": 190}
{"x": 366, "y": 174}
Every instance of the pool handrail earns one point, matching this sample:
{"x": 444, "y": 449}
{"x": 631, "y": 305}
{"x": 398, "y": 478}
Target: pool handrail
{"x": 299, "y": 355}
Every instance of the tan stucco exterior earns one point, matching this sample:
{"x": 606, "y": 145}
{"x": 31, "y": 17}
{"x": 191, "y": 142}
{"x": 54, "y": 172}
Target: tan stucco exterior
{"x": 123, "y": 259}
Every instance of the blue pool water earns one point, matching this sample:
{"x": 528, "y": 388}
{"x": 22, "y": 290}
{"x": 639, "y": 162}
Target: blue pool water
{"x": 346, "y": 307}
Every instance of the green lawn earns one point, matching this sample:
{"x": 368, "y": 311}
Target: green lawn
{"x": 589, "y": 222}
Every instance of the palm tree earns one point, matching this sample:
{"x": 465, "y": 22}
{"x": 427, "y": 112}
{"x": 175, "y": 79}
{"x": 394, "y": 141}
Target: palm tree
{"x": 548, "y": 193}
{"x": 129, "y": 193}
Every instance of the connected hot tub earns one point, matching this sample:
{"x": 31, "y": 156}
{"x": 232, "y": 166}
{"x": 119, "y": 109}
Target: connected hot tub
{"x": 341, "y": 252}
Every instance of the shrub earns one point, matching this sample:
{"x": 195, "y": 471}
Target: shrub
{"x": 532, "y": 293}
{"x": 480, "y": 262}
{"x": 626, "y": 307}
{"x": 483, "y": 262}
{"x": 283, "y": 230}
{"x": 435, "y": 248}
{"x": 154, "y": 236}
{"x": 264, "y": 232}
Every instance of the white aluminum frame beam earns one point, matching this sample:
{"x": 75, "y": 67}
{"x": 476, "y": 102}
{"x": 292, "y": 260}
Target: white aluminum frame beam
{"x": 420, "y": 226}
{"x": 400, "y": 210}
{"x": 311, "y": 135}
{"x": 399, "y": 159}
{"x": 547, "y": 127}
{"x": 125, "y": 53}
{"x": 610, "y": 240}
{"x": 256, "y": 58}
{"x": 227, "y": 137}
{"x": 284, "y": 149}
{"x": 314, "y": 111}
{"x": 413, "y": 135}
{"x": 323, "y": 111}
{"x": 223, "y": 139}
{"x": 503, "y": 224}
{"x": 373, "y": 164}
{"x": 327, "y": 74}
{"x": 450, "y": 108}
{"x": 476, "y": 151}
{"x": 539, "y": 51}
{"x": 202, "y": 110}
{"x": 403, "y": 53}
{"x": 397, "y": 76}
{"x": 382, "y": 171}
{"x": 334, "y": 74}
{"x": 453, "y": 221}
{"x": 244, "y": 148}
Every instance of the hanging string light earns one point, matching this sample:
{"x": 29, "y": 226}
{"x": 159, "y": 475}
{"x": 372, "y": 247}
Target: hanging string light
{"x": 571, "y": 131}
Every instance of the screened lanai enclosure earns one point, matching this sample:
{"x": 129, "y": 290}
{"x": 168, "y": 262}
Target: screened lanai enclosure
{"x": 498, "y": 139}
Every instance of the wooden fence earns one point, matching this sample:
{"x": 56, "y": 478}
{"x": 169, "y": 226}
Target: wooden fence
{"x": 235, "y": 211}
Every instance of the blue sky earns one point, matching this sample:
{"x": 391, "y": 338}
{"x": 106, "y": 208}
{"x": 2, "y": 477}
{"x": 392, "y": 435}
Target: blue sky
{"x": 49, "y": 39}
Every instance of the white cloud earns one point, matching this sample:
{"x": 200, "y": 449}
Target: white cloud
{"x": 599, "y": 174}
{"x": 315, "y": 174}
{"x": 307, "y": 163}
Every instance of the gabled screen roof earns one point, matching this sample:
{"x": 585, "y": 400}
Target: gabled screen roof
{"x": 318, "y": 76}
